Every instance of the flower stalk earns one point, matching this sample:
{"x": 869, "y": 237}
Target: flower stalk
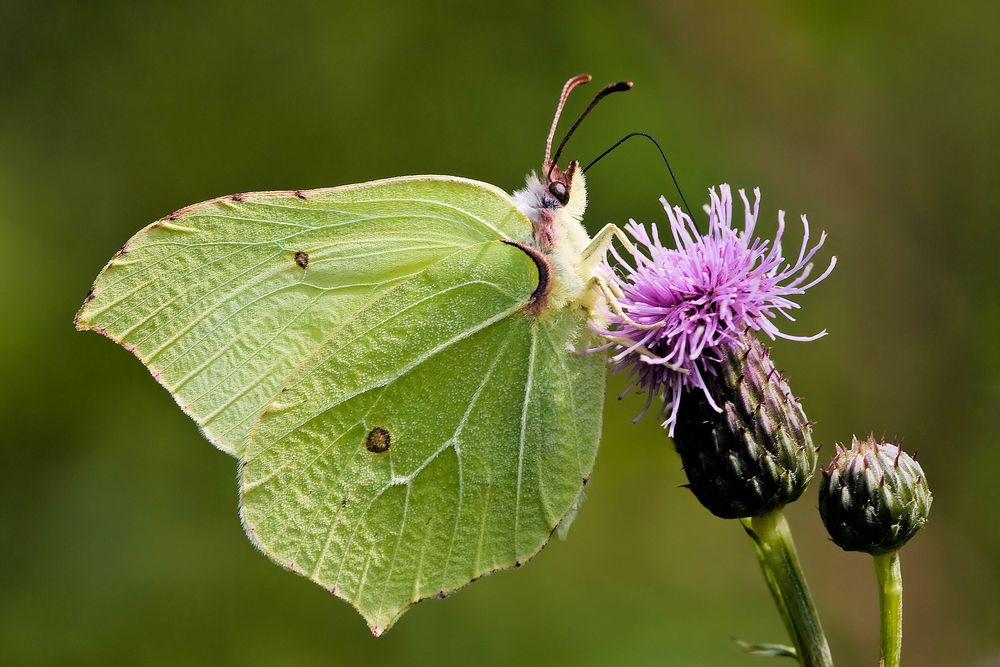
{"x": 780, "y": 562}
{"x": 890, "y": 598}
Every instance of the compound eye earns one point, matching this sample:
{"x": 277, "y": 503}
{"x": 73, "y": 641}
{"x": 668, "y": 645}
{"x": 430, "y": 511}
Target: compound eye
{"x": 559, "y": 190}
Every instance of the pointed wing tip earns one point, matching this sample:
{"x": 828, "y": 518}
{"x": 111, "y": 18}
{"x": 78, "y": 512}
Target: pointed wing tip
{"x": 382, "y": 622}
{"x": 81, "y": 323}
{"x": 80, "y": 319}
{"x": 84, "y": 321}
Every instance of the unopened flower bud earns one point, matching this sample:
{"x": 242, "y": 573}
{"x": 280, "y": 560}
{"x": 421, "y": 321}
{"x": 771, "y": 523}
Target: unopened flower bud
{"x": 873, "y": 497}
{"x": 754, "y": 456}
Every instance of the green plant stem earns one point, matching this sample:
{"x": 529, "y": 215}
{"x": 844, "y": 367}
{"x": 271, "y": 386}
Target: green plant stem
{"x": 890, "y": 598}
{"x": 780, "y": 562}
{"x": 772, "y": 585}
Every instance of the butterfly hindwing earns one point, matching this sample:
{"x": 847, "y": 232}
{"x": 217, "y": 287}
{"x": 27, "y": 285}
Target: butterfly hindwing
{"x": 440, "y": 435}
{"x": 224, "y": 299}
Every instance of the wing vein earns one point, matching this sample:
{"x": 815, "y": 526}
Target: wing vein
{"x": 523, "y": 436}
{"x": 416, "y": 362}
{"x": 456, "y": 439}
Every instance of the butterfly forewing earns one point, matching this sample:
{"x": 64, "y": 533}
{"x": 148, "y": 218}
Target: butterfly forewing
{"x": 223, "y": 300}
{"x": 440, "y": 435}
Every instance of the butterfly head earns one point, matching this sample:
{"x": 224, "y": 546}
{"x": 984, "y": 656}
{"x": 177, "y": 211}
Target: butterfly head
{"x": 554, "y": 194}
{"x": 559, "y": 193}
{"x": 563, "y": 185}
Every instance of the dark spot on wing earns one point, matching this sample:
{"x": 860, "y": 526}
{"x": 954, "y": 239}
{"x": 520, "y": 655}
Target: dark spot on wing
{"x": 302, "y": 259}
{"x": 300, "y": 194}
{"x": 237, "y": 197}
{"x": 378, "y": 440}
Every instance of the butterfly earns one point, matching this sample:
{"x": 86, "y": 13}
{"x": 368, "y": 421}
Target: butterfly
{"x": 392, "y": 363}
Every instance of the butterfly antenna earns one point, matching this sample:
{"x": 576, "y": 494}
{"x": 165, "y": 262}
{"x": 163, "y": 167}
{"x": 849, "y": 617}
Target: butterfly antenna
{"x": 662, "y": 155}
{"x": 619, "y": 87}
{"x": 567, "y": 89}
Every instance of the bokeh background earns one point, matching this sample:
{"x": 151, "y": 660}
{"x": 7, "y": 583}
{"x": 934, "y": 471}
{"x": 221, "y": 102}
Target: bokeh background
{"x": 119, "y": 537}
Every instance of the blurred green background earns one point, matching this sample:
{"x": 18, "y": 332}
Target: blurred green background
{"x": 120, "y": 540}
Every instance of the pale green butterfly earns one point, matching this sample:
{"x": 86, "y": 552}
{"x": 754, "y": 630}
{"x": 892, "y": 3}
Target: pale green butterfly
{"x": 391, "y": 362}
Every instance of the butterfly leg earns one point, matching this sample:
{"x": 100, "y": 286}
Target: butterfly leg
{"x": 590, "y": 259}
{"x": 598, "y": 248}
{"x": 610, "y": 295}
{"x": 602, "y": 286}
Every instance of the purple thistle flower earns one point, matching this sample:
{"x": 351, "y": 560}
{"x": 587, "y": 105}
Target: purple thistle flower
{"x": 679, "y": 305}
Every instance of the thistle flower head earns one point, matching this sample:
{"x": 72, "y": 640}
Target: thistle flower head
{"x": 874, "y": 497}
{"x": 758, "y": 455}
{"x": 679, "y": 306}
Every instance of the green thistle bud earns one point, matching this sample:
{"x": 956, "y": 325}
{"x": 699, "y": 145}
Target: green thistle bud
{"x": 874, "y": 497}
{"x": 755, "y": 456}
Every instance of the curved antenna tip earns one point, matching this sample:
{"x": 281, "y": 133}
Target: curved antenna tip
{"x": 568, "y": 87}
{"x": 618, "y": 87}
